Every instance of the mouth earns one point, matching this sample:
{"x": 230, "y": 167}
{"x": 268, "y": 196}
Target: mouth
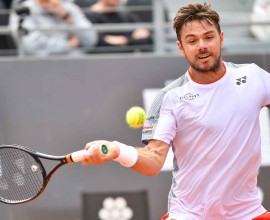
{"x": 203, "y": 56}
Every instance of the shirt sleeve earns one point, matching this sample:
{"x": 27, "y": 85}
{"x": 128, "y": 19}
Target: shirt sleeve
{"x": 265, "y": 77}
{"x": 160, "y": 123}
{"x": 39, "y": 43}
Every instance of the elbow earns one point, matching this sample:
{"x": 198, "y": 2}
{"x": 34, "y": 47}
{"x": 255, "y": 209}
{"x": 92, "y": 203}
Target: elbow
{"x": 89, "y": 40}
{"x": 151, "y": 172}
{"x": 147, "y": 171}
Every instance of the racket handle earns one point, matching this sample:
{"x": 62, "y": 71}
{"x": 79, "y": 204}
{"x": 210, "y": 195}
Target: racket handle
{"x": 78, "y": 156}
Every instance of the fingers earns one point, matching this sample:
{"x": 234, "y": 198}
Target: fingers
{"x": 99, "y": 152}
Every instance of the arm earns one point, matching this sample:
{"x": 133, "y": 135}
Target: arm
{"x": 139, "y": 36}
{"x": 265, "y": 79}
{"x": 135, "y": 37}
{"x": 87, "y": 37}
{"x": 149, "y": 161}
{"x": 38, "y": 43}
{"x": 151, "y": 158}
{"x": 73, "y": 16}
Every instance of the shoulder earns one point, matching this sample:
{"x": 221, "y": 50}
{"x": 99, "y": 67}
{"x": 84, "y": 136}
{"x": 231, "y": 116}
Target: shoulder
{"x": 250, "y": 74}
{"x": 247, "y": 69}
{"x": 173, "y": 87}
{"x": 170, "y": 88}
{"x": 97, "y": 17}
{"x": 32, "y": 5}
{"x": 237, "y": 65}
{"x": 234, "y": 66}
{"x": 179, "y": 82}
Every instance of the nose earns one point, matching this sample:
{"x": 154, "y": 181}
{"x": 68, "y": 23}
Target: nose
{"x": 202, "y": 44}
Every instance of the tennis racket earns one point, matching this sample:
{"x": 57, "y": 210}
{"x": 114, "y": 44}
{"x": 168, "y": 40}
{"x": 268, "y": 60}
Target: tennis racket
{"x": 22, "y": 174}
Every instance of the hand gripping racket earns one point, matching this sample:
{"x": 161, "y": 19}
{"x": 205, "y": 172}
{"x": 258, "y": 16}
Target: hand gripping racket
{"x": 22, "y": 174}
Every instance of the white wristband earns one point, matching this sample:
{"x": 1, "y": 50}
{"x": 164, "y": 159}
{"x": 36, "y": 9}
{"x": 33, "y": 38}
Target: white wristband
{"x": 128, "y": 155}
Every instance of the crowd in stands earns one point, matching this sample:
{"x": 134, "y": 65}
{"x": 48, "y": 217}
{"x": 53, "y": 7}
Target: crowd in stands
{"x": 67, "y": 27}
{"x": 106, "y": 12}
{"x": 261, "y": 12}
{"x": 53, "y": 27}
{"x": 5, "y": 4}
{"x": 51, "y": 15}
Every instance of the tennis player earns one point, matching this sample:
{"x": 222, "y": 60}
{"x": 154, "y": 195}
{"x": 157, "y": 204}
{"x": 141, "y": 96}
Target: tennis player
{"x": 210, "y": 118}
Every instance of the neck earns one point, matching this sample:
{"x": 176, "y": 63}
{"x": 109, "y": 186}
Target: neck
{"x": 207, "y": 77}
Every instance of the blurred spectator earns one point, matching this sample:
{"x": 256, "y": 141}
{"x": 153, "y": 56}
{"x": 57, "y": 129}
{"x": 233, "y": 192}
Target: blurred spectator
{"x": 2, "y": 5}
{"x": 85, "y": 3}
{"x": 146, "y": 15}
{"x": 108, "y": 11}
{"x": 54, "y": 15}
{"x": 6, "y": 4}
{"x": 4, "y": 13}
{"x": 261, "y": 13}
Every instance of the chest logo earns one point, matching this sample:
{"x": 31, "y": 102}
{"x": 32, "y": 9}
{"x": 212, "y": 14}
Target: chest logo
{"x": 241, "y": 80}
{"x": 189, "y": 96}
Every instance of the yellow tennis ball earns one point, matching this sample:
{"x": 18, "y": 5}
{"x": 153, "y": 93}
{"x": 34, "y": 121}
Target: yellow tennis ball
{"x": 135, "y": 117}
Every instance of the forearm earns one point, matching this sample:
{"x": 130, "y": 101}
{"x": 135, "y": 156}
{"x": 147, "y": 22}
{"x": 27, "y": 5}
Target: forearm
{"x": 151, "y": 159}
{"x": 83, "y": 28}
{"x": 146, "y": 160}
{"x": 38, "y": 43}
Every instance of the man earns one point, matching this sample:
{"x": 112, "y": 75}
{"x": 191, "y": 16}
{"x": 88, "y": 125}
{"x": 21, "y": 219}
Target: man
{"x": 210, "y": 118}
{"x": 260, "y": 13}
{"x": 108, "y": 12}
{"x": 52, "y": 15}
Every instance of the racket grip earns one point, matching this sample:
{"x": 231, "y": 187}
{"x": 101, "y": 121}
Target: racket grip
{"x": 78, "y": 156}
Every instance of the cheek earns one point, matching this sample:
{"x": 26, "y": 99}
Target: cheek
{"x": 188, "y": 52}
{"x": 217, "y": 50}
{"x": 182, "y": 50}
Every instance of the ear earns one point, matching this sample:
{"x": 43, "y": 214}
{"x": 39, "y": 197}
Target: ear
{"x": 222, "y": 39}
{"x": 179, "y": 45}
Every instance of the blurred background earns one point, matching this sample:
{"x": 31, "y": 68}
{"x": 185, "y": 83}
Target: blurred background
{"x": 56, "y": 103}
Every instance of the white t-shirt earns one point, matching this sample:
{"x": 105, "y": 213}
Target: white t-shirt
{"x": 215, "y": 135}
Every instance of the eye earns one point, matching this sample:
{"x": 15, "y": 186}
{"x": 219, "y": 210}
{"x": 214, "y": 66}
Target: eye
{"x": 191, "y": 41}
{"x": 209, "y": 37}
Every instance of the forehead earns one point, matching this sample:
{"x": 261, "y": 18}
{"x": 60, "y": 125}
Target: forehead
{"x": 197, "y": 28}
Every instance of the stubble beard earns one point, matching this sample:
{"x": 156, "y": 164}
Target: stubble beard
{"x": 215, "y": 66}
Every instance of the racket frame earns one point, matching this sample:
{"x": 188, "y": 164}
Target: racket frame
{"x": 46, "y": 177}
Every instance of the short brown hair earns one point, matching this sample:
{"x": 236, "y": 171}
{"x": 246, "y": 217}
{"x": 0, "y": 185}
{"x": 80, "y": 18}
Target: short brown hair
{"x": 194, "y": 12}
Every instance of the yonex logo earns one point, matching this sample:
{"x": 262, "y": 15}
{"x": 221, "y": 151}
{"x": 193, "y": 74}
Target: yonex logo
{"x": 241, "y": 80}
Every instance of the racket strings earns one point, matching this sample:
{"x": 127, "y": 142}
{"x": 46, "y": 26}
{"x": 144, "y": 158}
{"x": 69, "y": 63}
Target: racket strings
{"x": 15, "y": 178}
{"x": 21, "y": 176}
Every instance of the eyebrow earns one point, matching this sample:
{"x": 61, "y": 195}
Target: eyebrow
{"x": 192, "y": 35}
